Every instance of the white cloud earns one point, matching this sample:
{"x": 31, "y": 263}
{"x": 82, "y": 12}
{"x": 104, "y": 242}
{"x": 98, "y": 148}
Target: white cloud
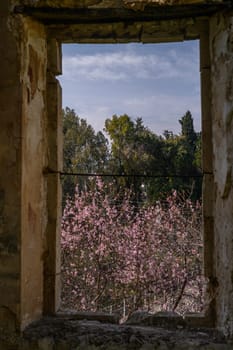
{"x": 159, "y": 86}
{"x": 125, "y": 65}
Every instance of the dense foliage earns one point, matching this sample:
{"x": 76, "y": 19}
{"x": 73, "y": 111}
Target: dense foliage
{"x": 167, "y": 161}
{"x": 147, "y": 258}
{"x": 84, "y": 150}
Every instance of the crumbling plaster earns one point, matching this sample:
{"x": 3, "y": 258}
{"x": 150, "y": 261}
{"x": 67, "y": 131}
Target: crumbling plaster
{"x": 222, "y": 112}
{"x": 34, "y": 158}
{"x": 22, "y": 156}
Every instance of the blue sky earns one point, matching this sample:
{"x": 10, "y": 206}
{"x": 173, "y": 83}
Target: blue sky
{"x": 157, "y": 82}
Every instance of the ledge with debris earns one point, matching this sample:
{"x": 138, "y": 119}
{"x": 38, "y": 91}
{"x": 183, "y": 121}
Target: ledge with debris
{"x": 69, "y": 332}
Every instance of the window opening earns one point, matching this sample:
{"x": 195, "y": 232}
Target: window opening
{"x": 131, "y": 227}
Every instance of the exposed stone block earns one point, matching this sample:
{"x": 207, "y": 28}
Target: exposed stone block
{"x": 54, "y": 57}
{"x": 159, "y": 319}
{"x": 90, "y": 316}
{"x": 67, "y": 334}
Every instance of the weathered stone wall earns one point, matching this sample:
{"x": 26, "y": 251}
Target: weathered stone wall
{"x": 34, "y": 159}
{"x": 54, "y": 197}
{"x": 10, "y": 165}
{"x": 221, "y": 46}
{"x": 31, "y": 152}
{"x": 22, "y": 159}
{"x": 119, "y": 32}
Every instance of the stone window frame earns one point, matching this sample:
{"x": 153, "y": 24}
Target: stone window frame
{"x": 170, "y": 31}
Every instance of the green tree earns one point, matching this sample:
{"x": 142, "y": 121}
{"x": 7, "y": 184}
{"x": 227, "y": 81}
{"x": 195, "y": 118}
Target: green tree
{"x": 198, "y": 152}
{"x": 187, "y": 128}
{"x": 184, "y": 158}
{"x": 134, "y": 150}
{"x": 85, "y": 151}
{"x": 181, "y": 162}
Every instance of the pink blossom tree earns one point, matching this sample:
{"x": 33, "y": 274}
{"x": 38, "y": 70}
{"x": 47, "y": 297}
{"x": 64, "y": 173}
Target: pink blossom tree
{"x": 148, "y": 256}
